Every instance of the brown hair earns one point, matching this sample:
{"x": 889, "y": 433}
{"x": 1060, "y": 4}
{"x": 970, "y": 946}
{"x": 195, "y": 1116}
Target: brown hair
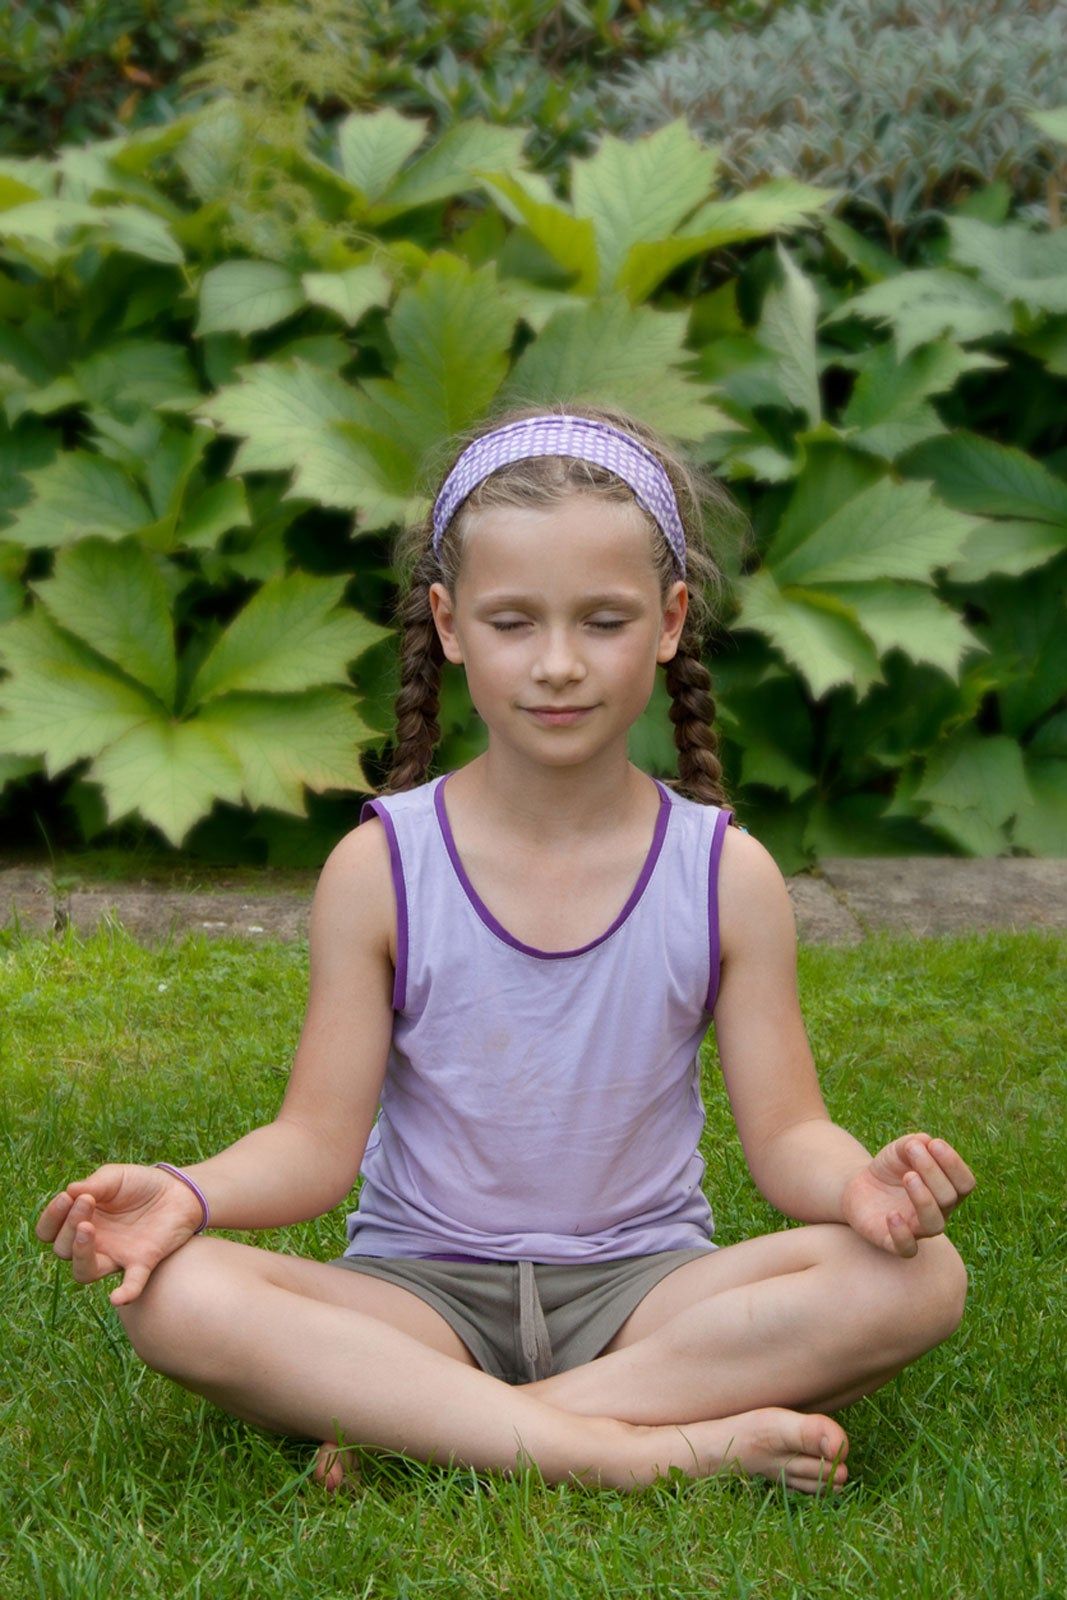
{"x": 546, "y": 480}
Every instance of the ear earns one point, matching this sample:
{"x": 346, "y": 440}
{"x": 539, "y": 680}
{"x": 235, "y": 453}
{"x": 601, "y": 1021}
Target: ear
{"x": 443, "y": 612}
{"x": 675, "y": 608}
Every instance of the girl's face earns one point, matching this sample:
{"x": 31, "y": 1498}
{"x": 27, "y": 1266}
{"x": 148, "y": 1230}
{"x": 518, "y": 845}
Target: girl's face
{"x": 559, "y": 608}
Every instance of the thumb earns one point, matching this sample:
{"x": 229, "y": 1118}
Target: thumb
{"x": 133, "y": 1281}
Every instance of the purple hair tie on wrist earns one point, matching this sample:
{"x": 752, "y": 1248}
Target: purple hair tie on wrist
{"x": 195, "y": 1187}
{"x": 555, "y": 435}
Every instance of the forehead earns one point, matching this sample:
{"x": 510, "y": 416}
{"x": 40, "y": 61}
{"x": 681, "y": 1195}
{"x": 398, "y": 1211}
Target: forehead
{"x": 598, "y": 544}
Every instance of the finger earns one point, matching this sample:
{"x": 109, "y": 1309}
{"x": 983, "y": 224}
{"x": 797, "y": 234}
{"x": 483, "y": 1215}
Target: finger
{"x": 81, "y": 1210}
{"x": 901, "y": 1239}
{"x": 83, "y": 1257}
{"x": 51, "y": 1218}
{"x": 926, "y": 1164}
{"x": 931, "y": 1218}
{"x": 954, "y": 1164}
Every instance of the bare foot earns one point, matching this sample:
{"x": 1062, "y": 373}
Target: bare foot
{"x": 332, "y": 1464}
{"x": 765, "y": 1443}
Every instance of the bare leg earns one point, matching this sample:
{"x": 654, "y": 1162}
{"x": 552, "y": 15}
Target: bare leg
{"x": 818, "y": 1336}
{"x": 297, "y": 1365}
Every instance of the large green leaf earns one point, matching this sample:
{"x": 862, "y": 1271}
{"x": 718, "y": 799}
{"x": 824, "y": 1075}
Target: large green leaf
{"x": 766, "y": 763}
{"x": 373, "y": 146}
{"x": 134, "y": 374}
{"x": 787, "y": 326}
{"x": 1015, "y": 261}
{"x": 1042, "y": 826}
{"x": 451, "y": 331}
{"x": 927, "y": 303}
{"x": 888, "y": 403}
{"x": 1007, "y": 546}
{"x": 215, "y": 149}
{"x": 631, "y": 355}
{"x": 283, "y": 411}
{"x": 776, "y": 206}
{"x": 76, "y": 495}
{"x": 288, "y": 637}
{"x": 973, "y": 786}
{"x": 60, "y": 702}
{"x": 138, "y": 232}
{"x": 639, "y": 191}
{"x": 977, "y": 474}
{"x": 568, "y": 239}
{"x": 451, "y": 166}
{"x": 831, "y": 476}
{"x": 903, "y": 616}
{"x": 889, "y": 530}
{"x": 243, "y": 296}
{"x": 284, "y": 742}
{"x": 113, "y": 597}
{"x": 812, "y": 632}
{"x": 350, "y": 293}
{"x": 170, "y": 772}
{"x": 222, "y": 506}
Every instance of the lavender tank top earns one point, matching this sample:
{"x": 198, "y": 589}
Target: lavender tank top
{"x": 542, "y": 1105}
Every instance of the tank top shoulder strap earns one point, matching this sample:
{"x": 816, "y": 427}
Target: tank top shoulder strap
{"x": 718, "y": 834}
{"x": 401, "y": 815}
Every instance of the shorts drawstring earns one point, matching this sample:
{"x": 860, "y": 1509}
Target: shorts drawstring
{"x": 533, "y": 1330}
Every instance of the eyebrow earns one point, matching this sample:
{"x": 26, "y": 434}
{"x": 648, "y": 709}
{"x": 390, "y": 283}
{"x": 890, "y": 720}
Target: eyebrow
{"x": 616, "y": 597}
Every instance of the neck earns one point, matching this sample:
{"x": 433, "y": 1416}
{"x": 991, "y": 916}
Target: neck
{"x": 555, "y": 805}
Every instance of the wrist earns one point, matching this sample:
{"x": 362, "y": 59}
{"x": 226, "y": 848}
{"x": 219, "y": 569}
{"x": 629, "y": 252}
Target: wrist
{"x": 197, "y": 1204}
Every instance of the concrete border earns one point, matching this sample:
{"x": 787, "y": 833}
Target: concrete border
{"x": 843, "y": 902}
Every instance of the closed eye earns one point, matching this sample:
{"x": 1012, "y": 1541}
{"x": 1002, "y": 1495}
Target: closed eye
{"x": 506, "y": 627}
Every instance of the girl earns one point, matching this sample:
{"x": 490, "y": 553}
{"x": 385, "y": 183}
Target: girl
{"x": 520, "y": 959}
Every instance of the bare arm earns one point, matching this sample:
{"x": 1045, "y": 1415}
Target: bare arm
{"x": 304, "y": 1162}
{"x": 799, "y": 1159}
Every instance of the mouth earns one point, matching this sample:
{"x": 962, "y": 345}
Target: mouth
{"x": 559, "y": 714}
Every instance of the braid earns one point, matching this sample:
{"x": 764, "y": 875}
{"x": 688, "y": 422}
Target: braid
{"x": 693, "y": 714}
{"x": 421, "y": 658}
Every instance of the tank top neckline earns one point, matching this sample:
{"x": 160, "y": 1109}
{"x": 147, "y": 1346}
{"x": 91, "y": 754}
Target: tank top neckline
{"x": 658, "y": 835}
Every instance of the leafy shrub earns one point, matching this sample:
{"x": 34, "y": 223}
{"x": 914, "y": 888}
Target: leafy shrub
{"x": 184, "y": 616}
{"x": 906, "y": 104}
{"x": 70, "y": 74}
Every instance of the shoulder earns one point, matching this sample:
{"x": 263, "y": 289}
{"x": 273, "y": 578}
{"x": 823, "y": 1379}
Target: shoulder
{"x": 755, "y": 911}
{"x": 355, "y": 885}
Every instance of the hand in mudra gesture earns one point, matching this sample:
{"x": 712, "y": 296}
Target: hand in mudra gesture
{"x": 906, "y": 1193}
{"x": 120, "y": 1219}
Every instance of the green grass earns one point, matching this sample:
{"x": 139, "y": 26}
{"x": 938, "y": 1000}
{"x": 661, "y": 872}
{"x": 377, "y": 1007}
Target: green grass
{"x": 114, "y": 1480}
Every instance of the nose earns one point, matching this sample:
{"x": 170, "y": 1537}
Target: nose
{"x": 559, "y": 660}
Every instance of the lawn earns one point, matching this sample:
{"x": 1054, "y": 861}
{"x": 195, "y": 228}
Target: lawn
{"x": 114, "y": 1480}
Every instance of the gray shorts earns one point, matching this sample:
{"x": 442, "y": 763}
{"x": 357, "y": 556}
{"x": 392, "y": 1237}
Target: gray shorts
{"x": 526, "y": 1320}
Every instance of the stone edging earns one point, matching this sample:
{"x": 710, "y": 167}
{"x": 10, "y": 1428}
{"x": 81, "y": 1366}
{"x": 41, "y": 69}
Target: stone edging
{"x": 841, "y": 903}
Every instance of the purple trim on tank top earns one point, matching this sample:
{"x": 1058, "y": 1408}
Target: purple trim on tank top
{"x": 722, "y": 822}
{"x": 400, "y": 977}
{"x": 658, "y": 835}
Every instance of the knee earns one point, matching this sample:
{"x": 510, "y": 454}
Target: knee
{"x": 938, "y": 1308}
{"x": 165, "y": 1324}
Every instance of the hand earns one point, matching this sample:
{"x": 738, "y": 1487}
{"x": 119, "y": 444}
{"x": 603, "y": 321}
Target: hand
{"x": 120, "y": 1219}
{"x": 906, "y": 1193}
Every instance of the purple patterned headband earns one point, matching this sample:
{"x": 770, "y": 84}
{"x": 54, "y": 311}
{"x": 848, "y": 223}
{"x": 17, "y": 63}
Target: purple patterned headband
{"x": 556, "y": 435}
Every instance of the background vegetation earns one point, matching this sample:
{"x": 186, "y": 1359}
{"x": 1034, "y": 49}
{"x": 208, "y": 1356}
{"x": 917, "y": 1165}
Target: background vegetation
{"x": 236, "y": 330}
